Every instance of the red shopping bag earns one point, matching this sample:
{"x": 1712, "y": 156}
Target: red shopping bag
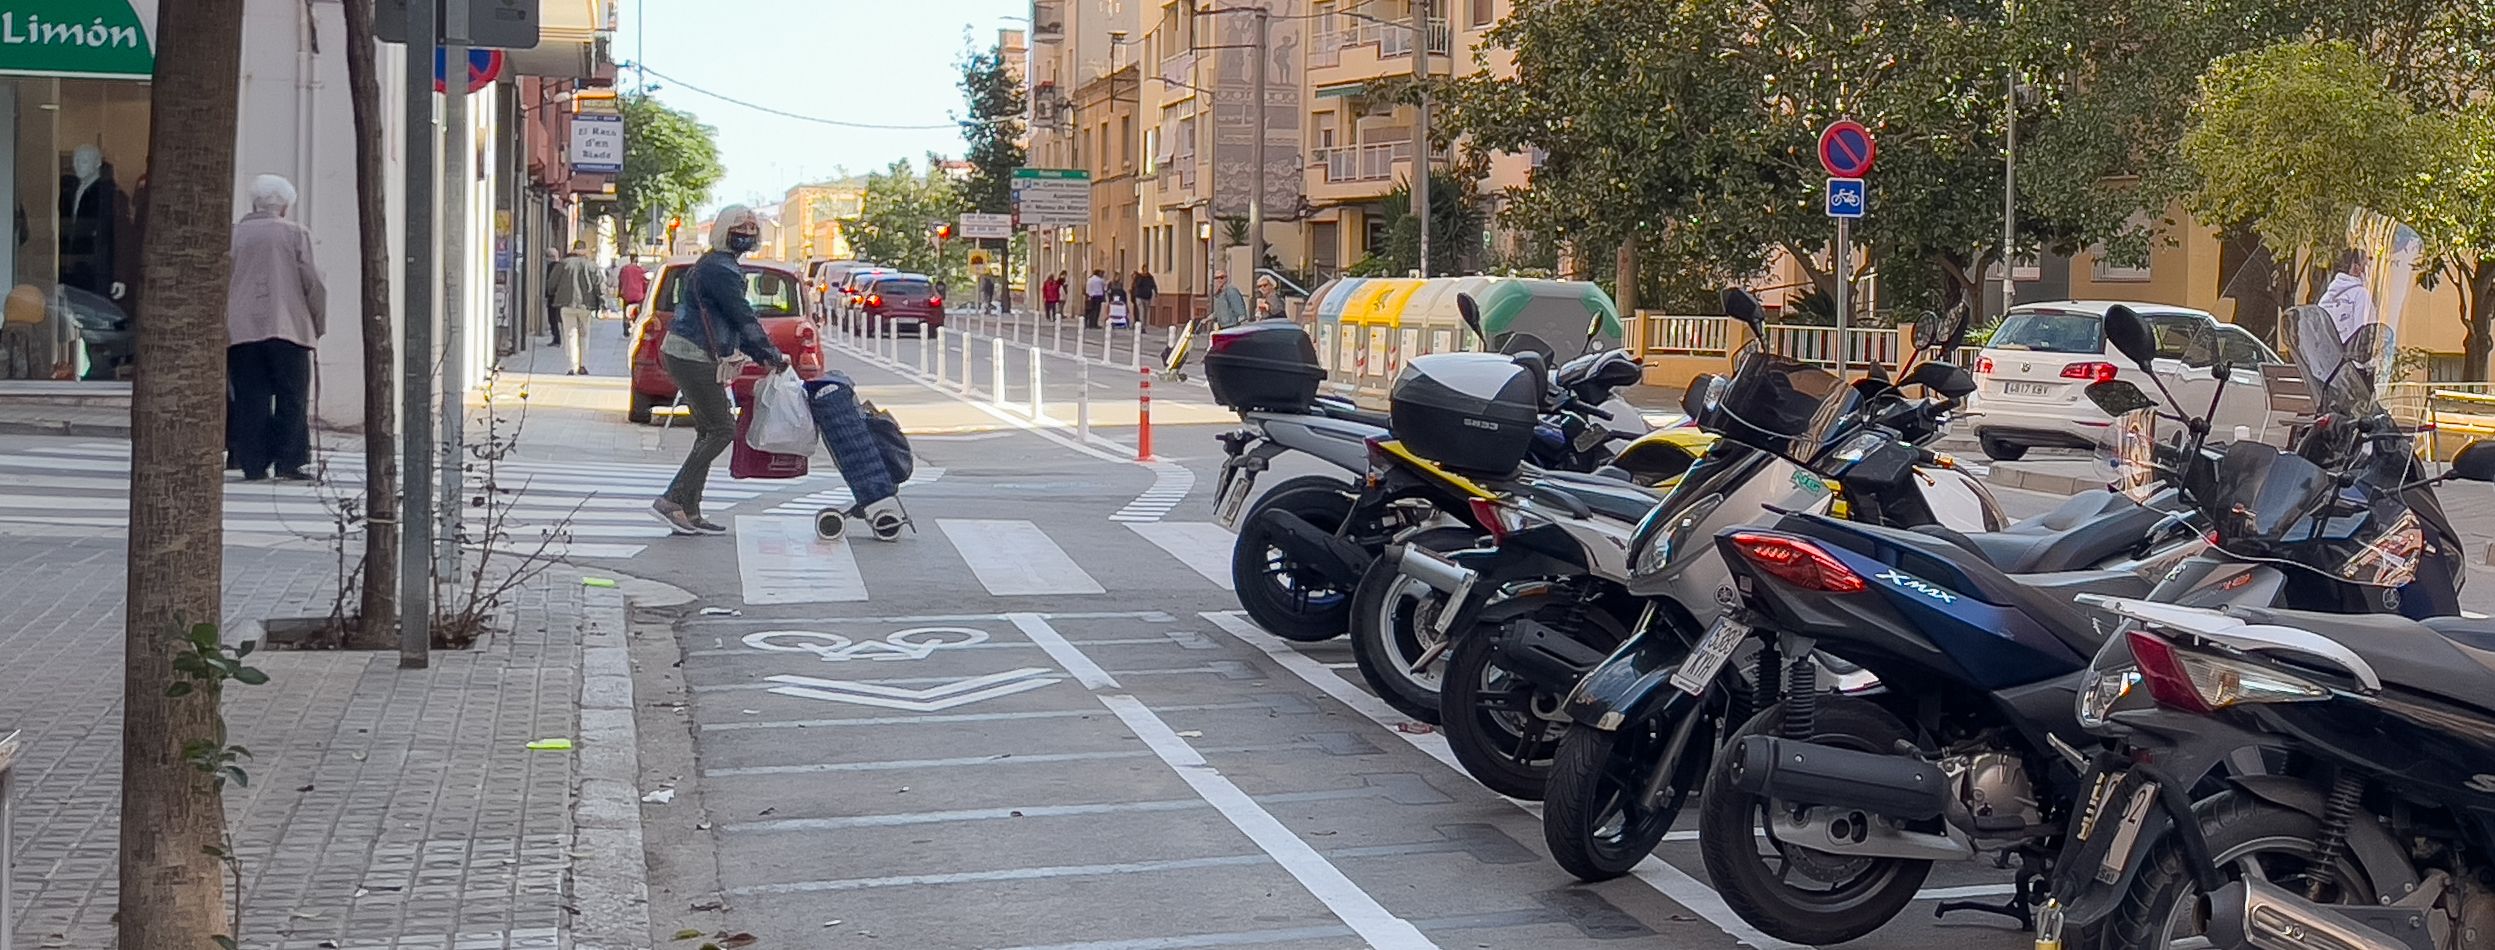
{"x": 744, "y": 461}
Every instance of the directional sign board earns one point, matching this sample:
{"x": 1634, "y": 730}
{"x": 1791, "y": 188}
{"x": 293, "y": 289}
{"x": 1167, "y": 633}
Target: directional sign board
{"x": 598, "y": 143}
{"x": 503, "y": 24}
{"x": 1846, "y": 198}
{"x": 1846, "y": 149}
{"x": 988, "y": 226}
{"x": 1052, "y": 197}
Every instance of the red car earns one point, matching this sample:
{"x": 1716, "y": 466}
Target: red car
{"x": 779, "y": 298}
{"x": 896, "y": 300}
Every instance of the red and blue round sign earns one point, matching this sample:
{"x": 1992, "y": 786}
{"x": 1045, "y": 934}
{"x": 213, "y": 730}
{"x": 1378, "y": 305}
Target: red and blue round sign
{"x": 1845, "y": 149}
{"x": 484, "y": 66}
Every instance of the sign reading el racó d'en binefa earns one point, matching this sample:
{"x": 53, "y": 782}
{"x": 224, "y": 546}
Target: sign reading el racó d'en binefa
{"x": 103, "y": 39}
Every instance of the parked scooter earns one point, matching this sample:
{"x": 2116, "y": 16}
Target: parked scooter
{"x": 1824, "y": 814}
{"x": 1303, "y": 548}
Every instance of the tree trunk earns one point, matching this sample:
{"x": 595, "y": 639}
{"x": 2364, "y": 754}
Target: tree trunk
{"x": 172, "y": 890}
{"x": 380, "y": 606}
{"x": 1624, "y": 277}
{"x": 2478, "y": 296}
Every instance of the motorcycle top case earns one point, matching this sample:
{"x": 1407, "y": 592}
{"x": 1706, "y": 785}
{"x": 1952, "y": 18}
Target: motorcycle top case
{"x": 1474, "y": 412}
{"x": 1269, "y": 365}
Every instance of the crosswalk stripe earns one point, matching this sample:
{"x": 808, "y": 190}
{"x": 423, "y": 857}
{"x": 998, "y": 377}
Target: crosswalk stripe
{"x": 838, "y": 496}
{"x": 1170, "y": 484}
{"x": 781, "y": 561}
{"x": 1016, "y": 558}
{"x": 1201, "y": 545}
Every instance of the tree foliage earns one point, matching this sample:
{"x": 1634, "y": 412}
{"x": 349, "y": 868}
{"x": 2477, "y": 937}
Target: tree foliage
{"x": 897, "y": 212}
{"x": 2453, "y": 208}
{"x": 1456, "y": 222}
{"x": 993, "y": 128}
{"x": 671, "y": 163}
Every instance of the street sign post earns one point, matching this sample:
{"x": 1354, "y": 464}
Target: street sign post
{"x": 987, "y": 227}
{"x": 1053, "y": 197}
{"x": 1846, "y": 150}
{"x": 598, "y": 143}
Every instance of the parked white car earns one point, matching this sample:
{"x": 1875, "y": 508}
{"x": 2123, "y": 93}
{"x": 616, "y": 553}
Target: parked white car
{"x": 2032, "y": 373}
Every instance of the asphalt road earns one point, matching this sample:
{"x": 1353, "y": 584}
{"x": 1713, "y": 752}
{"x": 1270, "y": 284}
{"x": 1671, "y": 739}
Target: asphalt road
{"x": 1039, "y": 721}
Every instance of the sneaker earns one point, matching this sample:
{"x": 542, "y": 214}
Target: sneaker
{"x": 707, "y": 526}
{"x": 673, "y": 516}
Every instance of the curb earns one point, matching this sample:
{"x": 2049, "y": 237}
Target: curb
{"x": 64, "y": 427}
{"x": 609, "y": 871}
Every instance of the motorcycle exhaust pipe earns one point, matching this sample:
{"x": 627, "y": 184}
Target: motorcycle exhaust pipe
{"x": 1442, "y": 575}
{"x": 2257, "y": 915}
{"x": 1552, "y": 661}
{"x": 1340, "y": 561}
{"x": 1809, "y": 773}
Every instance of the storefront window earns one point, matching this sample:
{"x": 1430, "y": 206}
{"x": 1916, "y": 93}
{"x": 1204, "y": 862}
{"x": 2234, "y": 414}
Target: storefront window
{"x": 75, "y": 179}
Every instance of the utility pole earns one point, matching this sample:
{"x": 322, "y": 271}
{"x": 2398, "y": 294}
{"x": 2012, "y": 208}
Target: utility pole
{"x": 2009, "y": 195}
{"x": 1256, "y": 194}
{"x": 456, "y": 133}
{"x": 416, "y": 432}
{"x": 1420, "y": 127}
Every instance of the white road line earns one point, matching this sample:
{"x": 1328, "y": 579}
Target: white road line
{"x": 1008, "y": 874}
{"x": 947, "y": 718}
{"x": 781, "y": 561}
{"x": 1016, "y": 558}
{"x": 1201, "y": 545}
{"x": 1667, "y": 880}
{"x": 1170, "y": 484}
{"x": 1066, "y": 654}
{"x": 1366, "y": 917}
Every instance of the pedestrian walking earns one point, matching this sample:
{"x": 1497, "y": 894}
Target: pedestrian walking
{"x": 276, "y": 309}
{"x": 987, "y": 293}
{"x": 1229, "y": 306}
{"x": 554, "y": 313}
{"x": 578, "y": 289}
{"x": 632, "y": 286}
{"x": 712, "y": 336}
{"x": 1095, "y": 293}
{"x": 1053, "y": 296}
{"x": 1141, "y": 288}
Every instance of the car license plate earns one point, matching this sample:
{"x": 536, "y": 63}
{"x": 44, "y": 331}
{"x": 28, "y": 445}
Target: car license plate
{"x": 2027, "y": 389}
{"x": 1709, "y": 658}
{"x": 1232, "y": 497}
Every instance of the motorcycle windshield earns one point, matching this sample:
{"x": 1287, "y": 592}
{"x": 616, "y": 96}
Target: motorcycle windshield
{"x": 1779, "y": 404}
{"x": 2132, "y": 455}
{"x": 2261, "y": 495}
{"x": 2266, "y": 504}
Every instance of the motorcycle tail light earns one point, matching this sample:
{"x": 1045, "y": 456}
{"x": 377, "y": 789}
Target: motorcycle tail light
{"x": 1796, "y": 562}
{"x": 2201, "y": 683}
{"x": 1499, "y": 519}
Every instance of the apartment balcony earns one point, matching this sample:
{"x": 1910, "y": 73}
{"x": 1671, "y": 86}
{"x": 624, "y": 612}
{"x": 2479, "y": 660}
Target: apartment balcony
{"x": 1178, "y": 77}
{"x": 1361, "y": 49}
{"x": 1357, "y": 172}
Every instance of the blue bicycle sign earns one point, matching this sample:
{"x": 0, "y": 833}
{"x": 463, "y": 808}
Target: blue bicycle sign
{"x": 1847, "y": 198}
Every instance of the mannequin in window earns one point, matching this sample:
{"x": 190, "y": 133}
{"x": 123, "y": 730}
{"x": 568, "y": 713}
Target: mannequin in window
{"x": 90, "y": 220}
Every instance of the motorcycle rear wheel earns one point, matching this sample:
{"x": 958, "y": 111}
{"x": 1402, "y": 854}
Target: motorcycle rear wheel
{"x": 2163, "y": 907}
{"x": 1393, "y": 625}
{"x": 1288, "y": 599}
{"x": 1493, "y": 719}
{"x": 1591, "y": 818}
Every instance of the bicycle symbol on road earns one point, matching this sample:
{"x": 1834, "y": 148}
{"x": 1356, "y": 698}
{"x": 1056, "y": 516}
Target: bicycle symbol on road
{"x": 917, "y": 643}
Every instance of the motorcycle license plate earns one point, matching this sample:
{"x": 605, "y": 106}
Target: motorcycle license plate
{"x": 1233, "y": 495}
{"x": 2127, "y": 832}
{"x": 1709, "y": 658}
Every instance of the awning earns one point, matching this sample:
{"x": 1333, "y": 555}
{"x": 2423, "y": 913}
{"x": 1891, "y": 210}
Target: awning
{"x": 107, "y": 39}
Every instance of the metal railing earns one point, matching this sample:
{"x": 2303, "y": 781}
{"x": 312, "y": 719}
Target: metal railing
{"x": 8, "y": 845}
{"x": 1391, "y": 40}
{"x": 1362, "y": 162}
{"x": 1667, "y": 335}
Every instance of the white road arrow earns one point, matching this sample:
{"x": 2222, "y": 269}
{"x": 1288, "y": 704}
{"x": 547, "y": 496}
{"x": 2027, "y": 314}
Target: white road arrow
{"x": 931, "y": 699}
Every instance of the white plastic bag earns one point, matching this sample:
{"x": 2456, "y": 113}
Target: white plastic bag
{"x": 781, "y": 424}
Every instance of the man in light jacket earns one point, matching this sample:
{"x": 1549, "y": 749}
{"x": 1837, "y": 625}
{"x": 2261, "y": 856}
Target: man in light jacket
{"x": 579, "y": 290}
{"x": 276, "y": 310}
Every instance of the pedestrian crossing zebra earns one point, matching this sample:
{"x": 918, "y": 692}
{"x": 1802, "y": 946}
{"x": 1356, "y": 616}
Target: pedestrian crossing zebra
{"x": 1170, "y": 484}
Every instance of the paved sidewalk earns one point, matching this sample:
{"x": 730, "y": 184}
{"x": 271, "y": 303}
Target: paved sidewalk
{"x": 387, "y": 808}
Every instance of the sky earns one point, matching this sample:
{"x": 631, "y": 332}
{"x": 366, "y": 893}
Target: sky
{"x": 888, "y": 62}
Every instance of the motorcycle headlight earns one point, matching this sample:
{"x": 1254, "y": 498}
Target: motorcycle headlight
{"x": 2106, "y": 689}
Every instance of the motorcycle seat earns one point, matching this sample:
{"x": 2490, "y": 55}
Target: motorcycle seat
{"x": 1609, "y": 498}
{"x": 2451, "y": 657}
{"x": 1349, "y": 411}
{"x": 2090, "y": 527}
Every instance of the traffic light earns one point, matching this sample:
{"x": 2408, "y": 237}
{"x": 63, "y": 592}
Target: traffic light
{"x": 944, "y": 232}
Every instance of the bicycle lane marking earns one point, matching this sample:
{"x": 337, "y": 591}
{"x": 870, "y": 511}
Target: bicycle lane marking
{"x": 1374, "y": 924}
{"x": 1667, "y": 880}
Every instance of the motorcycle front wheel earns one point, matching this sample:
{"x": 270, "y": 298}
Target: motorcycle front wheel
{"x": 1596, "y": 817}
{"x": 1394, "y": 628}
{"x": 1292, "y": 600}
{"x": 1790, "y": 892}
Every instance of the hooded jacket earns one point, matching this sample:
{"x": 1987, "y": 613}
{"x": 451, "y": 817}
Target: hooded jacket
{"x": 715, "y": 318}
{"x": 2350, "y": 304}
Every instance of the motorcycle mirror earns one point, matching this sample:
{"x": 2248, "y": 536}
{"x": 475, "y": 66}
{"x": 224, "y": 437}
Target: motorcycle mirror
{"x": 1694, "y": 399}
{"x": 1740, "y": 305}
{"x": 2476, "y": 462}
{"x": 1471, "y": 311}
{"x": 2131, "y": 336}
{"x": 1947, "y": 379}
{"x": 2117, "y": 397}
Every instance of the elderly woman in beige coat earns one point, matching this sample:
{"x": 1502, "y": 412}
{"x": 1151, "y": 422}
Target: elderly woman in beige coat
{"x": 275, "y": 313}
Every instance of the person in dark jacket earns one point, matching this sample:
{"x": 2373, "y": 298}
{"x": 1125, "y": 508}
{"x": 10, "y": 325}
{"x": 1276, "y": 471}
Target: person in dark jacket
{"x": 714, "y": 332}
{"x": 1141, "y": 288}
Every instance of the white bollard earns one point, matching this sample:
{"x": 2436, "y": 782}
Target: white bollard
{"x": 1057, "y": 337}
{"x": 996, "y": 361}
{"x": 1083, "y": 402}
{"x": 1039, "y": 393}
{"x": 1139, "y": 344}
{"x": 926, "y": 353}
{"x": 937, "y": 372}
